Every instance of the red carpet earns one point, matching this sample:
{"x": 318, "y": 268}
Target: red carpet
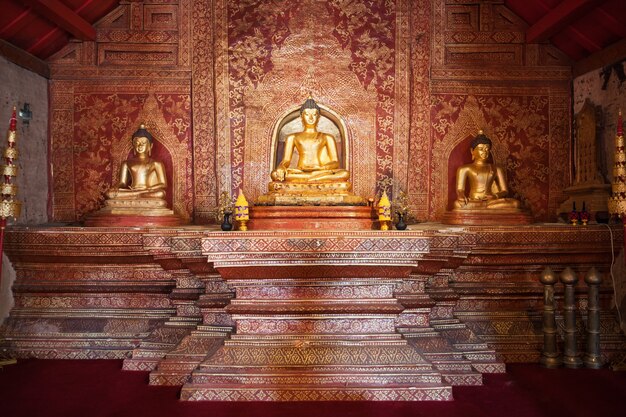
{"x": 56, "y": 388}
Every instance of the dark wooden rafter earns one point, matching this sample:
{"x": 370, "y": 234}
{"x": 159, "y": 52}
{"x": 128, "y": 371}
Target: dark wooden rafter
{"x": 611, "y": 23}
{"x": 558, "y": 18}
{"x": 24, "y": 59}
{"x": 609, "y": 55}
{"x": 24, "y": 19}
{"x": 583, "y": 40}
{"x": 43, "y": 41}
{"x": 66, "y": 18}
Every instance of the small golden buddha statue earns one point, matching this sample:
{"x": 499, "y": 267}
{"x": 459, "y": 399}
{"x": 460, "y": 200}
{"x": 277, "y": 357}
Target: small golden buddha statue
{"x": 139, "y": 198}
{"x": 487, "y": 182}
{"x": 318, "y": 178}
{"x": 485, "y": 203}
{"x": 141, "y": 190}
{"x": 142, "y": 180}
{"x": 141, "y": 177}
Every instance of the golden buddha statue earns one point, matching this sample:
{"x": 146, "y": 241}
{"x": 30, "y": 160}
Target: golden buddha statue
{"x": 485, "y": 202}
{"x": 141, "y": 177}
{"x": 139, "y": 198}
{"x": 318, "y": 161}
{"x": 318, "y": 178}
{"x": 487, "y": 183}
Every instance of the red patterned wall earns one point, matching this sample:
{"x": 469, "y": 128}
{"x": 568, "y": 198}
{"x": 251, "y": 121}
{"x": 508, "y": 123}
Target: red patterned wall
{"x": 520, "y": 131}
{"x": 277, "y": 54}
{"x": 410, "y": 79}
{"x": 136, "y": 72}
{"x": 483, "y": 76}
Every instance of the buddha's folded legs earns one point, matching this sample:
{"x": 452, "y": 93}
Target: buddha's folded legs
{"x": 124, "y": 194}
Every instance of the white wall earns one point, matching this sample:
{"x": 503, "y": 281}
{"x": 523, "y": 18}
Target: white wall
{"x": 19, "y": 86}
{"x": 611, "y": 100}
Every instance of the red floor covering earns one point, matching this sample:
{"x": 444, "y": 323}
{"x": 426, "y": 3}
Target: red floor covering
{"x": 98, "y": 388}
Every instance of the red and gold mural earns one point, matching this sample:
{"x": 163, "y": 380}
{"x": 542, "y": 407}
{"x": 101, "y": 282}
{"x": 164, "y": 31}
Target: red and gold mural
{"x": 279, "y": 53}
{"x": 411, "y": 80}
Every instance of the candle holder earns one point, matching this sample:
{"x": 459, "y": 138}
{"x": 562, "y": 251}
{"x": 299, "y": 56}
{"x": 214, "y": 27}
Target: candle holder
{"x": 573, "y": 215}
{"x": 584, "y": 215}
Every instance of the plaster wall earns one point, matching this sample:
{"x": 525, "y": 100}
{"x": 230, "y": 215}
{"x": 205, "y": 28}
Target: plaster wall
{"x": 21, "y": 86}
{"x": 604, "y": 88}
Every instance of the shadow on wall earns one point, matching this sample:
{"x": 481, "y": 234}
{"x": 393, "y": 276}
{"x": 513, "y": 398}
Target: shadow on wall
{"x": 6, "y": 296}
{"x": 619, "y": 275}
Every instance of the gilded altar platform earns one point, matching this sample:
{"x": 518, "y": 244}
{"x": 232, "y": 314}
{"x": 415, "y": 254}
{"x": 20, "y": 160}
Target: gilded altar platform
{"x": 299, "y": 315}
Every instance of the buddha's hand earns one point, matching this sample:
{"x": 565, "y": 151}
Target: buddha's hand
{"x": 279, "y": 174}
{"x": 462, "y": 201}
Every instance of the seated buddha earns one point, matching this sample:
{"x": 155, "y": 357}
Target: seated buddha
{"x": 485, "y": 201}
{"x": 142, "y": 179}
{"x": 487, "y": 183}
{"x": 318, "y": 178}
{"x": 139, "y": 197}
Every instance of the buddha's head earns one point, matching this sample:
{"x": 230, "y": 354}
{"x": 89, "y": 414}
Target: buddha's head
{"x": 142, "y": 141}
{"x": 310, "y": 113}
{"x": 480, "y": 147}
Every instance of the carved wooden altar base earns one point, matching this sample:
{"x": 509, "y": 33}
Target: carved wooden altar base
{"x": 472, "y": 298}
{"x": 311, "y": 218}
{"x": 320, "y": 326}
{"x": 487, "y": 217}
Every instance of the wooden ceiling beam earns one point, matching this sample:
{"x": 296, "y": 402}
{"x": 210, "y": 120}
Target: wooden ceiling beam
{"x": 582, "y": 40}
{"x": 64, "y": 17}
{"x": 20, "y": 22}
{"x": 611, "y": 23}
{"x": 24, "y": 59}
{"x": 609, "y": 55}
{"x": 42, "y": 42}
{"x": 558, "y": 18}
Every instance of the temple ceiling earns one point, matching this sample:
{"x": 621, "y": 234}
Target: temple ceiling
{"x": 579, "y": 28}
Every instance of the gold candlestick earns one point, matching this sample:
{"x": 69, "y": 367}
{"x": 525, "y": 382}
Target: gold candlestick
{"x": 384, "y": 212}
{"x": 9, "y": 207}
{"x": 242, "y": 211}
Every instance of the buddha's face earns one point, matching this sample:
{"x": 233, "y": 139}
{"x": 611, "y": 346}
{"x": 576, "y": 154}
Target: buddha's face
{"x": 481, "y": 152}
{"x": 141, "y": 145}
{"x": 310, "y": 117}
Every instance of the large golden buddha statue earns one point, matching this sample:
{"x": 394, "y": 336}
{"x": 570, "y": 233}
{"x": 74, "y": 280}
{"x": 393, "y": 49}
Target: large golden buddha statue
{"x": 486, "y": 201}
{"x": 318, "y": 178}
{"x": 139, "y": 197}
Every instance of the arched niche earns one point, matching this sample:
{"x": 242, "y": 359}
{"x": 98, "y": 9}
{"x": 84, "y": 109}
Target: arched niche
{"x": 290, "y": 122}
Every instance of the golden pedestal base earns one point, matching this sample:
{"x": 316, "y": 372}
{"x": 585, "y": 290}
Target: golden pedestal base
{"x": 141, "y": 212}
{"x": 310, "y": 194}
